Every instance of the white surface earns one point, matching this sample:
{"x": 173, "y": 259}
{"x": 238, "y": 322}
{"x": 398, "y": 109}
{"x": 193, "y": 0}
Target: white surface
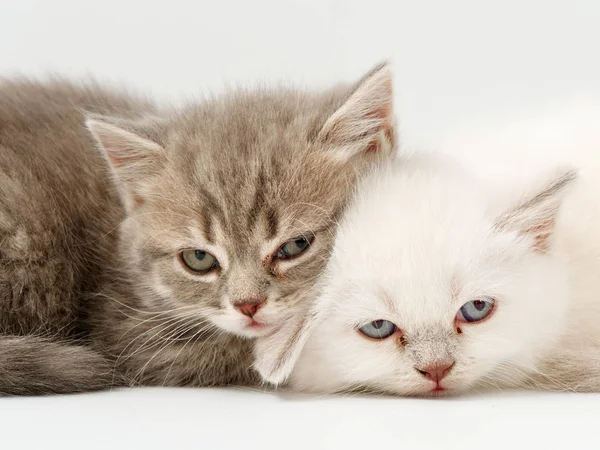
{"x": 457, "y": 63}
{"x": 235, "y": 419}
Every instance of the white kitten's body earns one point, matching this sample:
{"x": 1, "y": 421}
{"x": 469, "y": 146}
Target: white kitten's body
{"x": 425, "y": 237}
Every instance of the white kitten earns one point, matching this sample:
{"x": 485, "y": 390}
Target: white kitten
{"x": 440, "y": 283}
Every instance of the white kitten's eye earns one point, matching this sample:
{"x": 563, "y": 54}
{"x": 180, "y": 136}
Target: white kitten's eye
{"x": 378, "y": 329}
{"x": 198, "y": 261}
{"x": 475, "y": 310}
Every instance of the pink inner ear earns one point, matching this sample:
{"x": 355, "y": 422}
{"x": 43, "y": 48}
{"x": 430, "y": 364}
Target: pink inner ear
{"x": 383, "y": 113}
{"x": 541, "y": 235}
{"x": 114, "y": 160}
{"x": 120, "y": 158}
{"x": 139, "y": 201}
{"x": 374, "y": 146}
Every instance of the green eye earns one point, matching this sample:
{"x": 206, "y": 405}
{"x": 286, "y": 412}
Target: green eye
{"x": 199, "y": 261}
{"x": 294, "y": 247}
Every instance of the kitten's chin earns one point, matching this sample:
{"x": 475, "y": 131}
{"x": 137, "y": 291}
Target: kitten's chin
{"x": 430, "y": 391}
{"x": 450, "y": 389}
{"x": 254, "y": 330}
{"x": 246, "y": 328}
{"x": 438, "y": 392}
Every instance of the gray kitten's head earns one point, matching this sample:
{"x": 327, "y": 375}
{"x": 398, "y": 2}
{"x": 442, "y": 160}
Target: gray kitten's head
{"x": 232, "y": 203}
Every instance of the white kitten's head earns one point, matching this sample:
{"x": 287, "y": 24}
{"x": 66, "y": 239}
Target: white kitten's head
{"x": 433, "y": 287}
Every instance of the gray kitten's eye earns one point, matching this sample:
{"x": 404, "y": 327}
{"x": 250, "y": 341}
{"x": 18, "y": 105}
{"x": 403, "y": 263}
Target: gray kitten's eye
{"x": 294, "y": 247}
{"x": 378, "y": 329}
{"x": 475, "y": 310}
{"x": 199, "y": 261}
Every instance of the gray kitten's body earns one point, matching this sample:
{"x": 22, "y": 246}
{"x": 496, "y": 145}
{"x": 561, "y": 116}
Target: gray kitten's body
{"x": 58, "y": 208}
{"x": 91, "y": 294}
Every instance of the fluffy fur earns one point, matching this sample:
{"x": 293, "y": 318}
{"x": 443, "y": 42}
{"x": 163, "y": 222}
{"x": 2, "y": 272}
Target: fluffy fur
{"x": 93, "y": 222}
{"x": 425, "y": 237}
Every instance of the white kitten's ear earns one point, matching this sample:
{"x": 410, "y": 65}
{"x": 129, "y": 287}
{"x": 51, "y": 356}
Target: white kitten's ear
{"x": 364, "y": 123}
{"x": 275, "y": 356}
{"x": 535, "y": 215}
{"x": 131, "y": 156}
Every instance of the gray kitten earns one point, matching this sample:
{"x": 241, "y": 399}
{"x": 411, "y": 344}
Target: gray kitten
{"x": 142, "y": 246}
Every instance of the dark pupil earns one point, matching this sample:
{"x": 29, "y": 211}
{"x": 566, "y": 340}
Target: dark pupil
{"x": 479, "y": 305}
{"x": 200, "y": 255}
{"x": 377, "y": 324}
{"x": 301, "y": 243}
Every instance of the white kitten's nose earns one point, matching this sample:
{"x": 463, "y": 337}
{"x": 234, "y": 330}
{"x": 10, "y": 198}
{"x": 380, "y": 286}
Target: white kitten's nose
{"x": 436, "y": 372}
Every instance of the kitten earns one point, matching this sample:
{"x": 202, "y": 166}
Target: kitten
{"x": 439, "y": 283}
{"x": 157, "y": 241}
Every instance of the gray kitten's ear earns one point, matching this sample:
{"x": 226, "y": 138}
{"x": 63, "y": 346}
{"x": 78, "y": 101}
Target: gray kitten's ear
{"x": 535, "y": 216}
{"x": 364, "y": 123}
{"x": 275, "y": 355}
{"x": 130, "y": 155}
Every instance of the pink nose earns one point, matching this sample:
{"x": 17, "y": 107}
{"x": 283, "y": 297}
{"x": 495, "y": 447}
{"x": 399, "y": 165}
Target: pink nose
{"x": 436, "y": 372}
{"x": 249, "y": 306}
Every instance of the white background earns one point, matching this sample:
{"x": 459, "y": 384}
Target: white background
{"x": 457, "y": 63}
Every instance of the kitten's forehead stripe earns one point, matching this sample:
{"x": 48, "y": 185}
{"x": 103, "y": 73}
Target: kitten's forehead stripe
{"x": 207, "y": 226}
{"x": 272, "y": 223}
{"x": 276, "y": 165}
{"x": 259, "y": 200}
{"x": 212, "y": 203}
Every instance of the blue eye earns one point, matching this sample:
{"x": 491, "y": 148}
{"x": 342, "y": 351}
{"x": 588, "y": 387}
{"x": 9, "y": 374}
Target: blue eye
{"x": 294, "y": 247}
{"x": 475, "y": 310}
{"x": 199, "y": 261}
{"x": 378, "y": 329}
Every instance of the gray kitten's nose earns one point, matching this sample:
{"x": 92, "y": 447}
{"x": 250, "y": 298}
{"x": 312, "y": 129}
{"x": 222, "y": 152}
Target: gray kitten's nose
{"x": 436, "y": 372}
{"x": 249, "y": 306}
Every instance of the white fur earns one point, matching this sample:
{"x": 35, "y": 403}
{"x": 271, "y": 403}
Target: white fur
{"x": 425, "y": 236}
